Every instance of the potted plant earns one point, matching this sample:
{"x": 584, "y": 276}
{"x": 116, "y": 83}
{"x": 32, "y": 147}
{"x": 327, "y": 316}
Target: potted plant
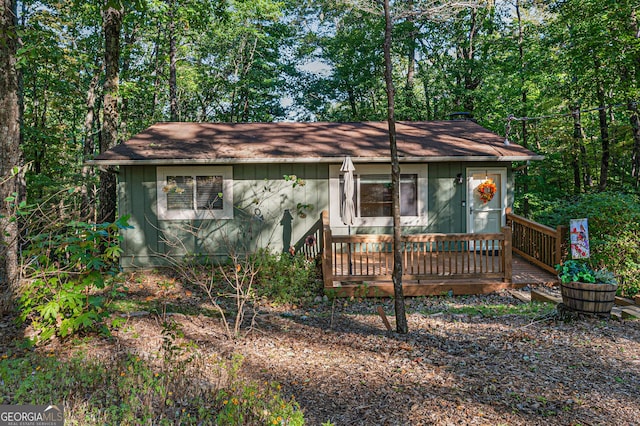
{"x": 585, "y": 289}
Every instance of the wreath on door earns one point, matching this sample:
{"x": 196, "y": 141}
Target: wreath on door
{"x": 486, "y": 190}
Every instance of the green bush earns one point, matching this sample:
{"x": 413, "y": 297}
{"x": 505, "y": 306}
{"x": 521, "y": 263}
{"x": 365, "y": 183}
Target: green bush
{"x": 580, "y": 271}
{"x": 130, "y": 391}
{"x": 286, "y": 279}
{"x": 68, "y": 272}
{"x": 614, "y": 232}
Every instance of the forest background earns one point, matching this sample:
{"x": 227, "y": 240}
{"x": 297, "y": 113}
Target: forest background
{"x": 561, "y": 78}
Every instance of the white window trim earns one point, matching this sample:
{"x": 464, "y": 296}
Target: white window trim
{"x": 364, "y": 169}
{"x": 191, "y": 214}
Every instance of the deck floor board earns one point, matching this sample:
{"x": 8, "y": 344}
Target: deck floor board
{"x": 525, "y": 273}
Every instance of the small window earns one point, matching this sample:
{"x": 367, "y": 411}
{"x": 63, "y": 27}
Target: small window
{"x": 195, "y": 193}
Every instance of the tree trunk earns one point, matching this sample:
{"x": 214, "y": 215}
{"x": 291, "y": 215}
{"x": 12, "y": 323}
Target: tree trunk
{"x": 427, "y": 99}
{"x": 130, "y": 39}
{"x": 88, "y": 147}
{"x": 352, "y": 101}
{"x": 577, "y": 143}
{"x": 633, "y": 107}
{"x": 173, "y": 53}
{"x": 604, "y": 134}
{"x": 401, "y": 317}
{"x": 156, "y": 72}
{"x": 635, "y": 155}
{"x": 112, "y": 21}
{"x": 470, "y": 79}
{"x": 523, "y": 112}
{"x": 411, "y": 69}
{"x": 10, "y": 156}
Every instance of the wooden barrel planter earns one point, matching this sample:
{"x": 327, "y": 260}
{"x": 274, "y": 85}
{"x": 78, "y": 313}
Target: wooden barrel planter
{"x": 589, "y": 298}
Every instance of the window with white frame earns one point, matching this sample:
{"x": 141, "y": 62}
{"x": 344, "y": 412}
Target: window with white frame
{"x": 372, "y": 195}
{"x": 198, "y": 192}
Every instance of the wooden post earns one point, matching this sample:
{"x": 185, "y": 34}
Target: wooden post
{"x": 564, "y": 240}
{"x": 507, "y": 256}
{"x": 559, "y": 237}
{"x": 327, "y": 252}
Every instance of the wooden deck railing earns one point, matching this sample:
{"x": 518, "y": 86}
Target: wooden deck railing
{"x": 312, "y": 244}
{"x": 359, "y": 258}
{"x": 539, "y": 244}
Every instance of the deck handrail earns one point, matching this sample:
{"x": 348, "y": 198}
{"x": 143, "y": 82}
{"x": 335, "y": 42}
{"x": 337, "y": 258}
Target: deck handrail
{"x": 428, "y": 257}
{"x": 540, "y": 244}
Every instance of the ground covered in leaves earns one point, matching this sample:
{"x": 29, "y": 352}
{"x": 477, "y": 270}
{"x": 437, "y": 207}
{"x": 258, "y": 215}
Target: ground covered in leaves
{"x": 486, "y": 360}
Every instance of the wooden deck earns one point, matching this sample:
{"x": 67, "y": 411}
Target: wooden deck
{"x": 523, "y": 274}
{"x": 522, "y": 254}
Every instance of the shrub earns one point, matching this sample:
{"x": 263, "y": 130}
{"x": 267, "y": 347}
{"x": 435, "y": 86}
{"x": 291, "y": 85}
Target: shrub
{"x": 128, "y": 390}
{"x": 284, "y": 278}
{"x": 69, "y": 267}
{"x": 614, "y": 232}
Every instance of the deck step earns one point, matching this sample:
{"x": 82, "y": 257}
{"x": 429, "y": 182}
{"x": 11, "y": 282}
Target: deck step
{"x": 540, "y": 295}
{"x": 623, "y": 301}
{"x": 523, "y": 296}
{"x": 630, "y": 312}
{"x": 623, "y": 309}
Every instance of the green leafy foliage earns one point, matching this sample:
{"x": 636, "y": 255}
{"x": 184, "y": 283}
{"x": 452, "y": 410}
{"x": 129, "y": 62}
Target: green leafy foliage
{"x": 614, "y": 232}
{"x": 71, "y": 274}
{"x": 286, "y": 279}
{"x": 129, "y": 390}
{"x": 576, "y": 271}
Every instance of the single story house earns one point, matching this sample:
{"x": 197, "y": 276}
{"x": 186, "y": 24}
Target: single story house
{"x": 214, "y": 188}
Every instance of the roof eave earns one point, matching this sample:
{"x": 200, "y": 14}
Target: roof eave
{"x": 280, "y": 160}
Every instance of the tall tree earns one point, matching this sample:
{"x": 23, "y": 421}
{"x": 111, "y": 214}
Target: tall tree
{"x": 173, "y": 53}
{"x": 432, "y": 11}
{"x": 113, "y": 13}
{"x": 10, "y": 154}
{"x": 604, "y": 128}
{"x": 578, "y": 149}
{"x": 88, "y": 147}
{"x": 523, "y": 110}
{"x": 401, "y": 316}
{"x": 635, "y": 153}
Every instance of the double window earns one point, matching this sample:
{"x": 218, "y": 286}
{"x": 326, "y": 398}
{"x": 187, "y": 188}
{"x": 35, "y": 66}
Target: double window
{"x": 186, "y": 193}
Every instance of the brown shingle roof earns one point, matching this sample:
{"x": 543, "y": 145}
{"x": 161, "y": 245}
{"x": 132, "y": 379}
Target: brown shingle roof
{"x": 216, "y": 143}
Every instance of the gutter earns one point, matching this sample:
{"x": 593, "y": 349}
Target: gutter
{"x": 326, "y": 160}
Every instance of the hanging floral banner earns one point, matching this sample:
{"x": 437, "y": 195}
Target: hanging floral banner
{"x": 579, "y": 239}
{"x": 486, "y": 190}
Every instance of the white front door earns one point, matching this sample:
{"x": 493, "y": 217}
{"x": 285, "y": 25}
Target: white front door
{"x": 486, "y": 214}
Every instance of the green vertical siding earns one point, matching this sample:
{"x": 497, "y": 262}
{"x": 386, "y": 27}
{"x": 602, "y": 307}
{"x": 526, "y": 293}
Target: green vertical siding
{"x": 137, "y": 196}
{"x": 268, "y": 211}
